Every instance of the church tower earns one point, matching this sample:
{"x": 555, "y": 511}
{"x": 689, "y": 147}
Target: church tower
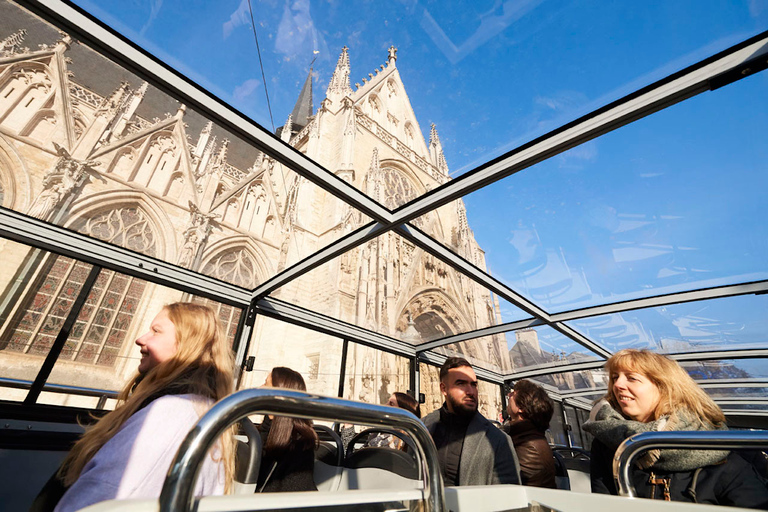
{"x": 369, "y": 136}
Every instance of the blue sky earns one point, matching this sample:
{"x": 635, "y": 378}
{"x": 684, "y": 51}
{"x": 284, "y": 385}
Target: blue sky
{"x": 670, "y": 203}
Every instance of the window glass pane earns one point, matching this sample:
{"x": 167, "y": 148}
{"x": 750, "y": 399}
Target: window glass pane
{"x": 100, "y": 354}
{"x": 489, "y": 400}
{"x": 669, "y": 203}
{"x": 316, "y": 356}
{"x": 573, "y": 422}
{"x": 132, "y": 166}
{"x": 556, "y": 428}
{"x": 394, "y": 288}
{"x": 731, "y": 323}
{"x": 372, "y": 375}
{"x": 586, "y": 437}
{"x": 37, "y": 292}
{"x": 429, "y": 384}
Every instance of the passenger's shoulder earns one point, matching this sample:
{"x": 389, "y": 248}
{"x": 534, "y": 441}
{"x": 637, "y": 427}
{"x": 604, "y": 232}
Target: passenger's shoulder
{"x": 178, "y": 406}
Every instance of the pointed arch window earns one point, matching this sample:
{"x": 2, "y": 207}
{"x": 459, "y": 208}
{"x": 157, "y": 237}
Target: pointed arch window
{"x": 99, "y": 334}
{"x": 398, "y": 189}
{"x": 237, "y": 267}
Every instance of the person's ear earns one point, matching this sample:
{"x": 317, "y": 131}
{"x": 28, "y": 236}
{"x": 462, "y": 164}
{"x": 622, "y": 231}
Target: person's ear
{"x": 442, "y": 388}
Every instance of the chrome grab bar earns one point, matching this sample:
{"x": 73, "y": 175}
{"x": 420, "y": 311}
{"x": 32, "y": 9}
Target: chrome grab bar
{"x": 637, "y": 444}
{"x": 177, "y": 494}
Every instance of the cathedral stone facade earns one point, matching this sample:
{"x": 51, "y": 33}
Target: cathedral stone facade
{"x": 155, "y": 177}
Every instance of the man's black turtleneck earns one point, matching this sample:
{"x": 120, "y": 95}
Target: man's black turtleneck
{"x": 449, "y": 438}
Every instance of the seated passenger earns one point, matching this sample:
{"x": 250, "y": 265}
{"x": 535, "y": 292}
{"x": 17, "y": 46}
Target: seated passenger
{"x": 186, "y": 365}
{"x": 288, "y": 458}
{"x": 530, "y": 410}
{"x": 470, "y": 449}
{"x": 402, "y": 401}
{"x": 649, "y": 392}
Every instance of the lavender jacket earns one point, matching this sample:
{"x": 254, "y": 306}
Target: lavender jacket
{"x": 133, "y": 464}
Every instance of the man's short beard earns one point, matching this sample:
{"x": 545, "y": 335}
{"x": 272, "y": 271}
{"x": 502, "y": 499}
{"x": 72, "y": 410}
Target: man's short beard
{"x": 461, "y": 408}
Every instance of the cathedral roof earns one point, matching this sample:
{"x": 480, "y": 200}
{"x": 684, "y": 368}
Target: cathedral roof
{"x": 304, "y": 108}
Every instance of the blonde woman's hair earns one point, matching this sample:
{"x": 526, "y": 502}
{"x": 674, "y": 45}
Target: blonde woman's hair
{"x": 677, "y": 390}
{"x": 203, "y": 365}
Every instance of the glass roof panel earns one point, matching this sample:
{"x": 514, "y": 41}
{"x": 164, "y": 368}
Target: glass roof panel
{"x": 543, "y": 346}
{"x": 730, "y": 323}
{"x": 134, "y": 167}
{"x": 727, "y": 369}
{"x": 575, "y": 381}
{"x": 527, "y": 349}
{"x": 508, "y": 71}
{"x": 737, "y": 392}
{"x": 670, "y": 203}
{"x": 745, "y": 407}
{"x": 392, "y": 287}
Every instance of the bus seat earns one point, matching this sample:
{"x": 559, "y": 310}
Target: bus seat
{"x": 380, "y": 468}
{"x": 247, "y": 458}
{"x": 580, "y": 481}
{"x": 562, "y": 478}
{"x": 329, "y": 455}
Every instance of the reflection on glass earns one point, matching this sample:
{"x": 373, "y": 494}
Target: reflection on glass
{"x": 392, "y": 287}
{"x": 37, "y": 292}
{"x": 730, "y": 323}
{"x": 642, "y": 211}
{"x": 316, "y": 356}
{"x": 372, "y": 375}
{"x": 131, "y": 166}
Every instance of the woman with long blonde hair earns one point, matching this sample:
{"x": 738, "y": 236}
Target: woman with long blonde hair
{"x": 649, "y": 392}
{"x": 186, "y": 365}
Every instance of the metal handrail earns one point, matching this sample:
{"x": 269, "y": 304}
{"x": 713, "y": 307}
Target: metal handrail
{"x": 177, "y": 494}
{"x": 633, "y": 446}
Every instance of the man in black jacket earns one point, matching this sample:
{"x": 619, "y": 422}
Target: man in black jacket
{"x": 471, "y": 451}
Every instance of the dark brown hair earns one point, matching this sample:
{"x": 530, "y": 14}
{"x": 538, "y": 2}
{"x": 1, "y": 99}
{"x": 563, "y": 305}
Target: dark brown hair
{"x": 451, "y": 363}
{"x": 534, "y": 403}
{"x": 287, "y": 431}
{"x": 408, "y": 403}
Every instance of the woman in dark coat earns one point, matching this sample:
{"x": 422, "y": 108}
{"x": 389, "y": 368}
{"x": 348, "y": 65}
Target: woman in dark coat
{"x": 288, "y": 457}
{"x": 649, "y": 392}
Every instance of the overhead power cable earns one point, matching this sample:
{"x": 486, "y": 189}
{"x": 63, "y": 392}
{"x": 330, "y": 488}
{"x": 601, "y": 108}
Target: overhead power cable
{"x": 261, "y": 64}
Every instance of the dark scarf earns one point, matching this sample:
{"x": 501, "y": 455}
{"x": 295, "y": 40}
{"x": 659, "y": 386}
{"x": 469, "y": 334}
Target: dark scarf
{"x": 449, "y": 439}
{"x": 611, "y": 428}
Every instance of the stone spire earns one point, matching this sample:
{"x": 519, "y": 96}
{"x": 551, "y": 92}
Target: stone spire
{"x": 339, "y": 85}
{"x": 304, "y": 107}
{"x": 392, "y": 57}
{"x": 373, "y": 178}
{"x": 202, "y": 141}
{"x": 285, "y": 131}
{"x": 436, "y": 151}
